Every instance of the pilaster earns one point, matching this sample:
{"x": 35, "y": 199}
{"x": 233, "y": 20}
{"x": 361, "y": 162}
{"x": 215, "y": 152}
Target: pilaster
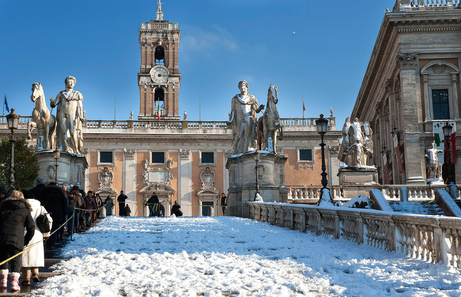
{"x": 408, "y": 64}
{"x": 185, "y": 181}
{"x": 129, "y": 174}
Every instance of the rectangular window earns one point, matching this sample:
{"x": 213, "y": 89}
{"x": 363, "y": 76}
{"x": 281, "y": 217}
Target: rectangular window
{"x": 106, "y": 157}
{"x": 158, "y": 157}
{"x": 440, "y": 104}
{"x": 207, "y": 158}
{"x": 305, "y": 155}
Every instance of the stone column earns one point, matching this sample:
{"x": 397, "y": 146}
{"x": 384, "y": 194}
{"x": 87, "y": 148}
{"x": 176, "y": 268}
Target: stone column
{"x": 185, "y": 181}
{"x": 408, "y": 64}
{"x": 429, "y": 112}
{"x": 455, "y": 103}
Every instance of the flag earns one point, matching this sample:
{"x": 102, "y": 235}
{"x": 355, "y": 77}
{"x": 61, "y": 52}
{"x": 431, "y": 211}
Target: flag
{"x": 397, "y": 150}
{"x": 439, "y": 139}
{"x": 386, "y": 168}
{"x": 453, "y": 148}
{"x": 6, "y": 104}
{"x": 158, "y": 113}
{"x": 304, "y": 108}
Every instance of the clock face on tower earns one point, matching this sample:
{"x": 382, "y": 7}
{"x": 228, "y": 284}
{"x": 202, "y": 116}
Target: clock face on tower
{"x": 159, "y": 74}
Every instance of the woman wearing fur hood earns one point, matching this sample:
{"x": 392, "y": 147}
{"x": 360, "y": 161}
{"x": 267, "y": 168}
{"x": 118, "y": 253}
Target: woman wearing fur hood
{"x": 34, "y": 257}
{"x": 15, "y": 215}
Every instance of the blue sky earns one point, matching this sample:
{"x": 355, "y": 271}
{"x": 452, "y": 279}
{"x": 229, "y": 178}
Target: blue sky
{"x": 222, "y": 42}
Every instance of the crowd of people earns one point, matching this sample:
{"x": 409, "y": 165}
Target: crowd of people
{"x": 65, "y": 208}
{"x": 20, "y": 210}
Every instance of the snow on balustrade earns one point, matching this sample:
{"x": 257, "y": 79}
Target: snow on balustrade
{"x": 429, "y": 238}
{"x": 311, "y": 194}
{"x": 403, "y": 5}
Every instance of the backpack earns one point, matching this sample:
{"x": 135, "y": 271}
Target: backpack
{"x": 43, "y": 223}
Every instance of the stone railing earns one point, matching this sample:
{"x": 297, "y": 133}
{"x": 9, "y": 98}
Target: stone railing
{"x": 306, "y": 123}
{"x": 311, "y": 194}
{"x": 290, "y": 124}
{"x": 159, "y": 26}
{"x": 406, "y": 5}
{"x": 156, "y": 125}
{"x": 428, "y": 238}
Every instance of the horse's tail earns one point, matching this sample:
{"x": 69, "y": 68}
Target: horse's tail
{"x": 52, "y": 126}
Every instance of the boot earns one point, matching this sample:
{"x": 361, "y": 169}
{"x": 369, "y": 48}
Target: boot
{"x": 35, "y": 276}
{"x": 15, "y": 282}
{"x": 3, "y": 278}
{"x": 26, "y": 272}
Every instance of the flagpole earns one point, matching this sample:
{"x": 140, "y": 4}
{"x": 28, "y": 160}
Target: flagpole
{"x": 199, "y": 110}
{"x": 115, "y": 109}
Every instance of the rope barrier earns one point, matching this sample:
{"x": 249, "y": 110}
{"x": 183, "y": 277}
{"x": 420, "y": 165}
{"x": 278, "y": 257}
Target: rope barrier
{"x": 36, "y": 243}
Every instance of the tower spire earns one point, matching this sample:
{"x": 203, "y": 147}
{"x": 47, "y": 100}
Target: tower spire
{"x": 159, "y": 10}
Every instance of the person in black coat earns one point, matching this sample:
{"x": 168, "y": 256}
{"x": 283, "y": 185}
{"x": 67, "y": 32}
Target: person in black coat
{"x": 175, "y": 209}
{"x": 121, "y": 204}
{"x": 55, "y": 202}
{"x": 14, "y": 217}
{"x": 153, "y": 204}
{"x": 39, "y": 187}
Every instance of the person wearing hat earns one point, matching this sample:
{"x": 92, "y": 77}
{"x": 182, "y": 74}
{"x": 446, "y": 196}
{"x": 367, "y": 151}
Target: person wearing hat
{"x": 34, "y": 257}
{"x": 15, "y": 216}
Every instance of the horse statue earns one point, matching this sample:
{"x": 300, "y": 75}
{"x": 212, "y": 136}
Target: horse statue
{"x": 42, "y": 119}
{"x": 269, "y": 123}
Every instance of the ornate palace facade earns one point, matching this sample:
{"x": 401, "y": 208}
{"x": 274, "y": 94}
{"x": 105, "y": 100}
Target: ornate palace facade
{"x": 412, "y": 87}
{"x": 180, "y": 160}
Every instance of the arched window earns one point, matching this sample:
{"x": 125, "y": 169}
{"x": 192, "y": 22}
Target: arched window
{"x": 440, "y": 85}
{"x": 159, "y": 103}
{"x": 159, "y": 55}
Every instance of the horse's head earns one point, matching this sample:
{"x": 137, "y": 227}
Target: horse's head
{"x": 272, "y": 94}
{"x": 36, "y": 91}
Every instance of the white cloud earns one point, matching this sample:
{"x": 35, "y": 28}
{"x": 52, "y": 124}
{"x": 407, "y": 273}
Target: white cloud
{"x": 198, "y": 39}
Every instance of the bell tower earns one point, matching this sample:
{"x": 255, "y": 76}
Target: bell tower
{"x": 159, "y": 79}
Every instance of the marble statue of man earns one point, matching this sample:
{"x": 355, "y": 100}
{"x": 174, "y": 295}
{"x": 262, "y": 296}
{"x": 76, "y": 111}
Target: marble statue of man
{"x": 432, "y": 161}
{"x": 243, "y": 117}
{"x": 69, "y": 118}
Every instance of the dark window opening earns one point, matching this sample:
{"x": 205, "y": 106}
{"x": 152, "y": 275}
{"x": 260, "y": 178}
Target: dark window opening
{"x": 105, "y": 157}
{"x": 305, "y": 155}
{"x": 158, "y": 157}
{"x": 207, "y": 158}
{"x": 159, "y": 103}
{"x": 159, "y": 55}
{"x": 440, "y": 104}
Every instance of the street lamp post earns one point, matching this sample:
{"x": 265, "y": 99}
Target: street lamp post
{"x": 57, "y": 154}
{"x": 322, "y": 124}
{"x": 257, "y": 157}
{"x": 447, "y": 133}
{"x": 13, "y": 123}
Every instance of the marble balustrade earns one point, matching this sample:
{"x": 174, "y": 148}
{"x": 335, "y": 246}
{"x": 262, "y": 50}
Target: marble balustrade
{"x": 311, "y": 194}
{"x": 432, "y": 239}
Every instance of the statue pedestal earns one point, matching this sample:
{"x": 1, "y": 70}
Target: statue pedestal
{"x": 355, "y": 177}
{"x": 242, "y": 180}
{"x": 71, "y": 168}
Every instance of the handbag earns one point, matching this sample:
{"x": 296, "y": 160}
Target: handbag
{"x": 43, "y": 223}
